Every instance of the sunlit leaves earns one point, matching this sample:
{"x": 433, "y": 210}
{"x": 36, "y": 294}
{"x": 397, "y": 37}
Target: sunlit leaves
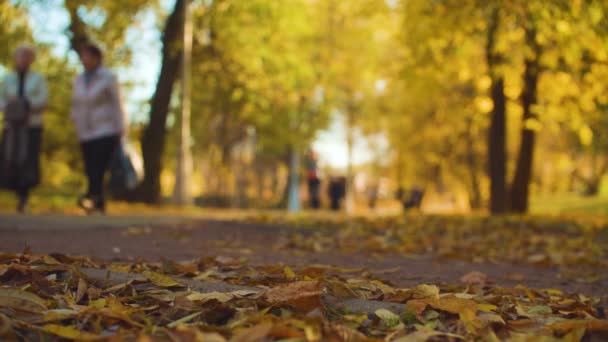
{"x": 269, "y": 306}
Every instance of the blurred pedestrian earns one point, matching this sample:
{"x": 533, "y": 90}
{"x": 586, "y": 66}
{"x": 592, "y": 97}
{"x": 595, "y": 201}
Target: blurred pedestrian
{"x": 372, "y": 196}
{"x": 23, "y": 98}
{"x": 336, "y": 191}
{"x": 100, "y": 119}
{"x": 314, "y": 182}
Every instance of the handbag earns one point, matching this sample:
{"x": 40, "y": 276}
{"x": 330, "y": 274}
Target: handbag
{"x": 17, "y": 111}
{"x": 126, "y": 171}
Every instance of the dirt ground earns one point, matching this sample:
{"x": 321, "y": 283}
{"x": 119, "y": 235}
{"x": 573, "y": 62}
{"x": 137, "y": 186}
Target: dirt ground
{"x": 155, "y": 238}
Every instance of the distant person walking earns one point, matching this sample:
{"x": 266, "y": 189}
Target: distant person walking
{"x": 314, "y": 182}
{"x": 100, "y": 119}
{"x": 23, "y": 98}
{"x": 336, "y": 191}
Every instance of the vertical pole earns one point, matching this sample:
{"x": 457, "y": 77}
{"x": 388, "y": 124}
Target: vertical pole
{"x": 349, "y": 205}
{"x": 293, "y": 203}
{"x": 182, "y": 190}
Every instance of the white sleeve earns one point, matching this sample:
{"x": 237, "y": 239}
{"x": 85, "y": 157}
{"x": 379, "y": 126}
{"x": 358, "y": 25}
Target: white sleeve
{"x": 3, "y": 96}
{"x": 38, "y": 100}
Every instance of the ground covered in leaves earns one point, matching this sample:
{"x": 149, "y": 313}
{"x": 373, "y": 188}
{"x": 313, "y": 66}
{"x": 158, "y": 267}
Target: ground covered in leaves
{"x": 50, "y": 297}
{"x": 300, "y": 278}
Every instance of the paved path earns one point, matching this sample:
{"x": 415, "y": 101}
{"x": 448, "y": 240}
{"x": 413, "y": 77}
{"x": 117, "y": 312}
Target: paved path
{"x": 184, "y": 238}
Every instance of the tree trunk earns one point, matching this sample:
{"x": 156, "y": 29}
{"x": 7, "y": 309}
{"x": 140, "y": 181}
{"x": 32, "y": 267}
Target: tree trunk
{"x": 497, "y": 137}
{"x": 78, "y": 35}
{"x": 523, "y": 174}
{"x": 285, "y": 195}
{"x": 154, "y": 136}
{"x": 475, "y": 199}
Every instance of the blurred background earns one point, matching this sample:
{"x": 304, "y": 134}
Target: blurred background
{"x": 483, "y": 106}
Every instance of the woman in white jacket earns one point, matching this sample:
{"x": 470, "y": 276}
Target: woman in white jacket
{"x": 25, "y": 90}
{"x": 100, "y": 120}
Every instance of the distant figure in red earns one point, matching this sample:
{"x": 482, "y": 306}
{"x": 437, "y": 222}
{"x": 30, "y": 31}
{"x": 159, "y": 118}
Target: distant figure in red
{"x": 314, "y": 182}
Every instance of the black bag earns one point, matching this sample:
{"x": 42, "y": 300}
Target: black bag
{"x": 126, "y": 170}
{"x": 17, "y": 111}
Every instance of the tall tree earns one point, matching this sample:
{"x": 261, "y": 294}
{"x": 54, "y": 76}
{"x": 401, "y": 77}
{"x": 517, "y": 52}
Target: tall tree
{"x": 520, "y": 191}
{"x": 497, "y": 134}
{"x": 154, "y": 136}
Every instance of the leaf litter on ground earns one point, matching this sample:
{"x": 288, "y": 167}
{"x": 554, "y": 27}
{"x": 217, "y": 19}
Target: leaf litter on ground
{"x": 578, "y": 243}
{"x": 76, "y": 298}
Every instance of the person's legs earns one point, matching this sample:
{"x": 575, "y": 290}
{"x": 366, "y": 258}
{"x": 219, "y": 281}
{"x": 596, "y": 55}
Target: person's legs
{"x": 104, "y": 151}
{"x": 30, "y": 171}
{"x": 88, "y": 156}
{"x": 313, "y": 193}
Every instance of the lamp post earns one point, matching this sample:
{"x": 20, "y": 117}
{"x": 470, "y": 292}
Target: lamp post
{"x": 183, "y": 174}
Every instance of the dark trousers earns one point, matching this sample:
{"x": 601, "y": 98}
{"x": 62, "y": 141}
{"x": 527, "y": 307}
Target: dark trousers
{"x": 97, "y": 155}
{"x": 22, "y": 178}
{"x": 314, "y": 189}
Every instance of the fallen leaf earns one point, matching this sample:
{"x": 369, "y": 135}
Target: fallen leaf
{"x": 425, "y": 334}
{"x": 416, "y": 306}
{"x": 93, "y": 293}
{"x": 184, "y": 320}
{"x": 6, "y": 326}
{"x": 389, "y": 318}
{"x": 160, "y": 279}
{"x": 304, "y": 295}
{"x": 486, "y": 307}
{"x": 70, "y": 332}
{"x": 453, "y": 304}
{"x": 253, "y": 334}
{"x": 59, "y": 315}
{"x": 590, "y": 325}
{"x": 289, "y": 273}
{"x": 470, "y": 321}
{"x": 21, "y": 300}
{"x": 195, "y": 334}
{"x": 81, "y": 290}
{"x": 488, "y": 317}
{"x": 124, "y": 268}
{"x": 474, "y": 278}
{"x": 426, "y": 291}
{"x": 206, "y": 297}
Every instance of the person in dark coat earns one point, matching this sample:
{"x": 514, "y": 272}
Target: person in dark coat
{"x": 23, "y": 98}
{"x": 336, "y": 192}
{"x": 314, "y": 182}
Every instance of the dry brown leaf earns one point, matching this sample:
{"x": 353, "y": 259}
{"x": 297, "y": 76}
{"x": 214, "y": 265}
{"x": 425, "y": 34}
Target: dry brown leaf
{"x": 474, "y": 278}
{"x": 253, "y": 334}
{"x": 21, "y": 300}
{"x": 303, "y": 295}
{"x": 161, "y": 279}
{"x": 590, "y": 325}
{"x": 425, "y": 334}
{"x": 70, "y": 332}
{"x": 6, "y": 326}
{"x": 81, "y": 290}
